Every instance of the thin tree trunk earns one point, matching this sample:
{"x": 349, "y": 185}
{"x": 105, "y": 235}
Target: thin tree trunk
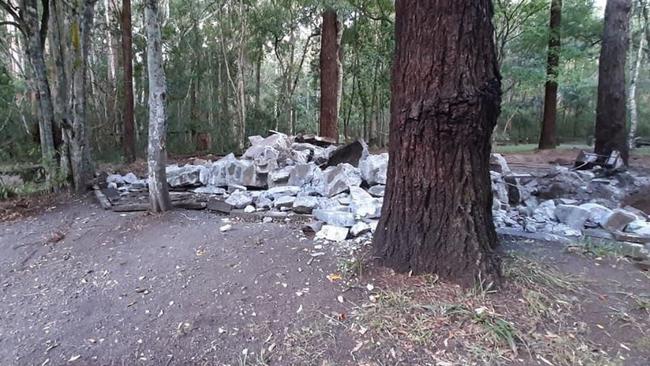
{"x": 610, "y": 131}
{"x": 60, "y": 50}
{"x": 548, "y": 139}
{"x": 110, "y": 56}
{"x": 437, "y": 215}
{"x": 157, "y": 151}
{"x": 634, "y": 116}
{"x": 127, "y": 62}
{"x": 329, "y": 75}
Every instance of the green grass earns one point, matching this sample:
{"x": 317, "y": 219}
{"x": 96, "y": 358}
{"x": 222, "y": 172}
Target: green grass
{"x": 529, "y": 148}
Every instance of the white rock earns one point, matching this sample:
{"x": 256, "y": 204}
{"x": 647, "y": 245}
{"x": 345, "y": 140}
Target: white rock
{"x": 333, "y": 233}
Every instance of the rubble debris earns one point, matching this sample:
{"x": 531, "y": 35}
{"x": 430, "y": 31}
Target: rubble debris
{"x": 343, "y": 188}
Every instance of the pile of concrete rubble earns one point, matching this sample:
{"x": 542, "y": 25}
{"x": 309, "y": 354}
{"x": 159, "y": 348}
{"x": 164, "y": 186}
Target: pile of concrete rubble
{"x": 342, "y": 188}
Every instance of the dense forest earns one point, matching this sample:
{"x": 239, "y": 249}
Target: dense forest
{"x": 241, "y": 68}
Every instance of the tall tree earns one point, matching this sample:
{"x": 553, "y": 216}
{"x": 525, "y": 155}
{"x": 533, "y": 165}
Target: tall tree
{"x": 128, "y": 139}
{"x": 634, "y": 113}
{"x": 610, "y": 131}
{"x": 34, "y": 28}
{"x": 83, "y": 14}
{"x": 446, "y": 91}
{"x": 548, "y": 138}
{"x": 157, "y": 150}
{"x": 329, "y": 75}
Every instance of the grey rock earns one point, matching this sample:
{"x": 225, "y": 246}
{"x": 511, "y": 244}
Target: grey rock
{"x": 559, "y": 182}
{"x": 373, "y": 169}
{"x": 618, "y": 220}
{"x": 263, "y": 202}
{"x": 499, "y": 164}
{"x": 280, "y": 176}
{"x": 363, "y": 204}
{"x": 304, "y": 174}
{"x": 377, "y": 191}
{"x": 185, "y": 176}
{"x": 335, "y": 217}
{"x": 598, "y": 214}
{"x": 276, "y": 192}
{"x": 210, "y": 190}
{"x": 339, "y": 179}
{"x": 333, "y": 233}
{"x": 232, "y": 188}
{"x": 284, "y": 201}
{"x": 359, "y": 229}
{"x": 130, "y": 178}
{"x": 573, "y": 216}
{"x": 239, "y": 199}
{"x": 305, "y": 204}
{"x": 279, "y": 142}
{"x": 116, "y": 179}
{"x": 312, "y": 227}
{"x": 217, "y": 174}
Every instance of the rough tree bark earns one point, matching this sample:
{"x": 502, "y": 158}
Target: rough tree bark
{"x": 59, "y": 45}
{"x": 81, "y": 28}
{"x": 548, "y": 138}
{"x": 446, "y": 92}
{"x": 610, "y": 131}
{"x": 329, "y": 75}
{"x": 634, "y": 113}
{"x": 34, "y": 30}
{"x": 128, "y": 139}
{"x": 157, "y": 150}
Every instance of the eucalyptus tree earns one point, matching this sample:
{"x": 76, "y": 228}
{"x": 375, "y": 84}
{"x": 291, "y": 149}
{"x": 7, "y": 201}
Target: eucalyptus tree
{"x": 611, "y": 133}
{"x": 157, "y": 150}
{"x": 437, "y": 215}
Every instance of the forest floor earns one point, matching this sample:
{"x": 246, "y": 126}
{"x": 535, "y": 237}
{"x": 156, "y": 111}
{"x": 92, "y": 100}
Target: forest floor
{"x": 80, "y": 285}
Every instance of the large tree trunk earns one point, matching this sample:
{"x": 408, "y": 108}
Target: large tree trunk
{"x": 329, "y": 75}
{"x": 128, "y": 140}
{"x": 81, "y": 27}
{"x": 548, "y": 139}
{"x": 157, "y": 150}
{"x": 446, "y": 92}
{"x": 634, "y": 113}
{"x": 35, "y": 31}
{"x": 610, "y": 131}
{"x": 60, "y": 48}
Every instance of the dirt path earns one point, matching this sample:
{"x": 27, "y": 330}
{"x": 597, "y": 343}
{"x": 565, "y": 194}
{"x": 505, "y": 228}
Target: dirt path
{"x": 79, "y": 285}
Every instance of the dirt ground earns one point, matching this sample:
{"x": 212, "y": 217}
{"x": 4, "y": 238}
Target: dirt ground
{"x": 80, "y": 285}
{"x": 84, "y": 286}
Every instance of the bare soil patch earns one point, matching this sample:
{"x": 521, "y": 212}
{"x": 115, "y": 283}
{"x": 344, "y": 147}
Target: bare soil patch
{"x": 80, "y": 285}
